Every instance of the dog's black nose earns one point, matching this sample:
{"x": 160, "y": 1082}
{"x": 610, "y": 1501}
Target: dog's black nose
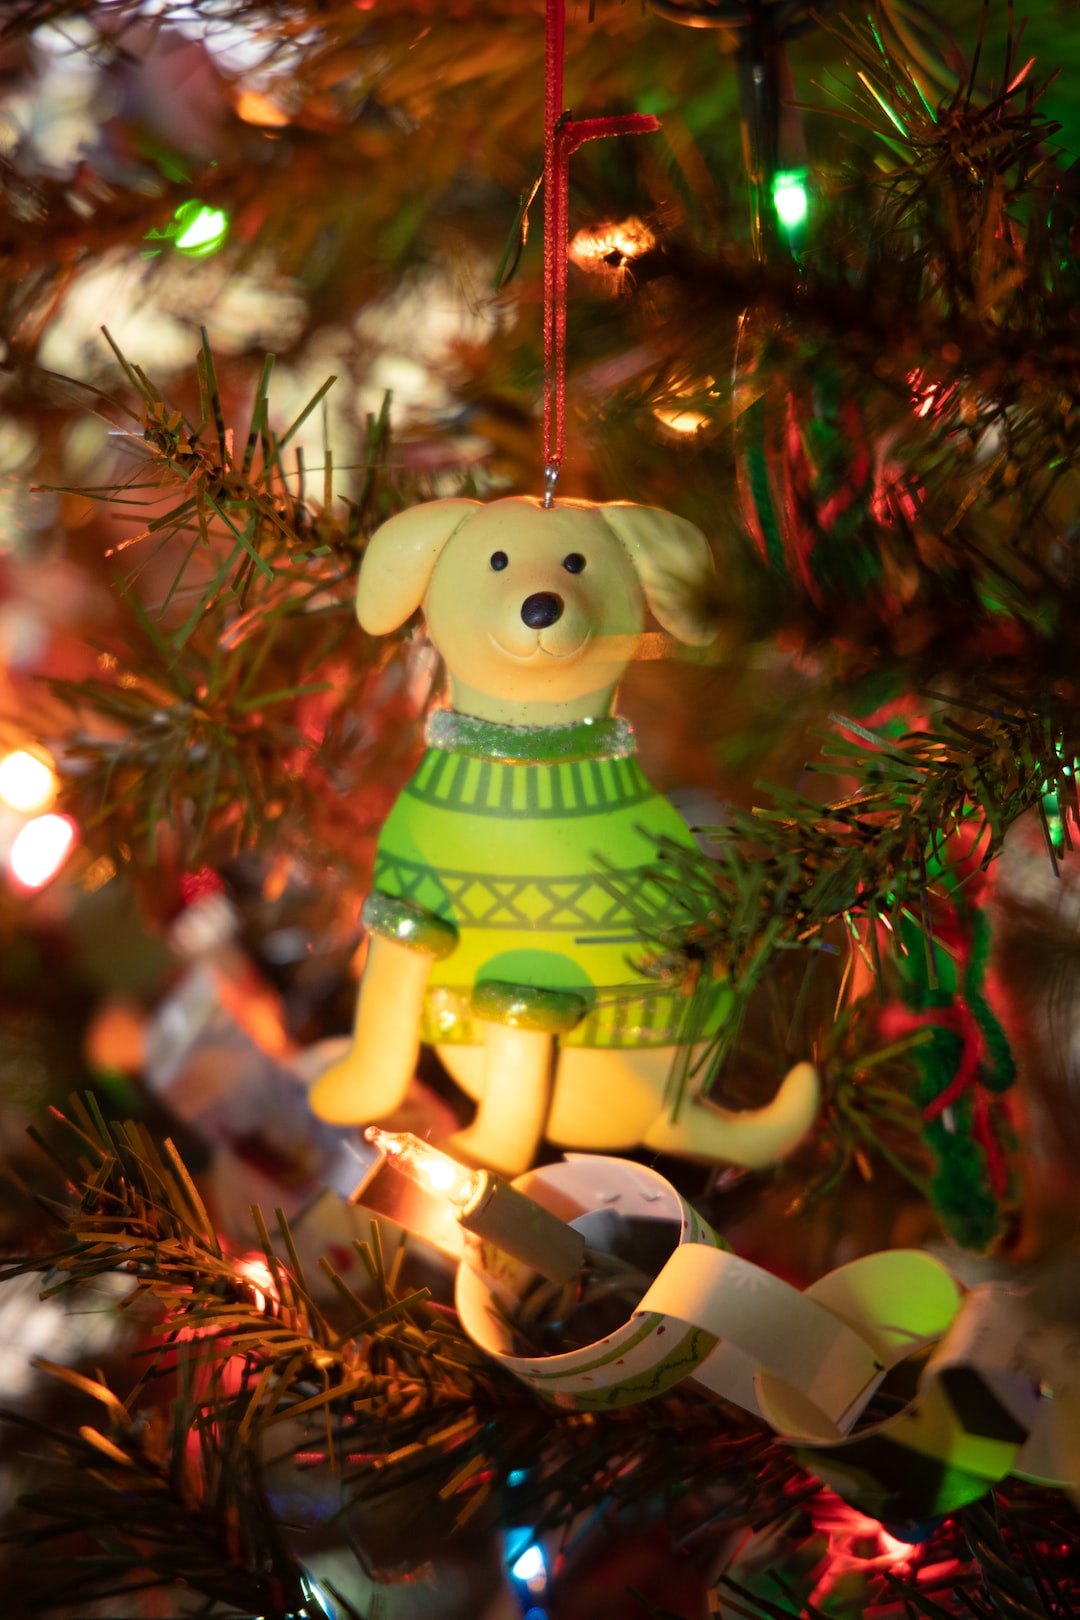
{"x": 541, "y": 609}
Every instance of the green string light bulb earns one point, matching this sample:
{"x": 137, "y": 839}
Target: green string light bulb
{"x": 791, "y": 200}
{"x": 195, "y": 229}
{"x": 198, "y": 229}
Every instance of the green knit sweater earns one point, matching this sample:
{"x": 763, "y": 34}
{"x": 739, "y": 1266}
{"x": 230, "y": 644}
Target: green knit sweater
{"x": 498, "y": 835}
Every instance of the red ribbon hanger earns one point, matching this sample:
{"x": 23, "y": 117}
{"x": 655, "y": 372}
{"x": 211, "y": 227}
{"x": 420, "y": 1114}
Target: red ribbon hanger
{"x": 562, "y": 137}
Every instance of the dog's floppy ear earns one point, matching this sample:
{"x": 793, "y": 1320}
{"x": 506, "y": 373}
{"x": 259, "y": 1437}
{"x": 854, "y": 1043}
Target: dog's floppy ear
{"x": 399, "y": 559}
{"x": 674, "y": 565}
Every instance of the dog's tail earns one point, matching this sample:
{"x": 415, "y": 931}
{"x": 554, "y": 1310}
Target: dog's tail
{"x": 751, "y": 1137}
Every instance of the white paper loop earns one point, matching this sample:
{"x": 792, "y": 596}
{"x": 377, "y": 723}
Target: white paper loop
{"x": 649, "y": 1352}
{"x": 809, "y": 1362}
{"x": 774, "y": 1325}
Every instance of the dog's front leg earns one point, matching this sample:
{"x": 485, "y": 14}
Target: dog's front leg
{"x": 519, "y": 1023}
{"x": 370, "y": 1081}
{"x": 372, "y": 1078}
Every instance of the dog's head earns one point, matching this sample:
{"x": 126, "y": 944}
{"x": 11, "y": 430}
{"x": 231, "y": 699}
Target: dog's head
{"x": 531, "y": 604}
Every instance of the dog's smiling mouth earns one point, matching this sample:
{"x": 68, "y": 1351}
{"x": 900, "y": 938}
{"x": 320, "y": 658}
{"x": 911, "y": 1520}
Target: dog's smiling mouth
{"x": 540, "y": 651}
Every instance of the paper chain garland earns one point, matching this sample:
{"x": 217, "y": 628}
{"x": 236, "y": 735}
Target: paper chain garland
{"x": 965, "y": 1380}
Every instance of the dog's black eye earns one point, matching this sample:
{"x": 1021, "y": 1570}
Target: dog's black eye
{"x": 575, "y": 563}
{"x": 499, "y": 560}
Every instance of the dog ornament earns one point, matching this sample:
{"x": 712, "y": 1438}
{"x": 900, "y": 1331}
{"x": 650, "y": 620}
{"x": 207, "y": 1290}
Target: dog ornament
{"x": 491, "y": 934}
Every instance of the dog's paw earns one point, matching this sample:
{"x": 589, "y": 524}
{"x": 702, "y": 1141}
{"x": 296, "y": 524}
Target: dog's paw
{"x": 350, "y": 1094}
{"x": 481, "y": 1147}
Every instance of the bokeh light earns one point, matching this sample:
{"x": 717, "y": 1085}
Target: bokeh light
{"x": 40, "y": 850}
{"x": 27, "y": 781}
{"x": 791, "y": 198}
{"x": 199, "y": 229}
{"x": 196, "y": 230}
{"x": 529, "y": 1566}
{"x": 263, "y": 1287}
{"x": 681, "y": 421}
{"x": 611, "y": 247}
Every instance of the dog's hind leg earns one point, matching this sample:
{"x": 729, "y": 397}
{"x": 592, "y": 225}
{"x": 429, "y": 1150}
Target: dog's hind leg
{"x": 518, "y": 1023}
{"x": 510, "y": 1120}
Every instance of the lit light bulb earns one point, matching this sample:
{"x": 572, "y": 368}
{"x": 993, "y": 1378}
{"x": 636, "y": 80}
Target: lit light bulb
{"x": 491, "y": 1209}
{"x": 681, "y": 421}
{"x": 40, "y": 850}
{"x": 684, "y": 415}
{"x": 530, "y": 1567}
{"x": 199, "y": 230}
{"x": 610, "y": 248}
{"x": 441, "y": 1176}
{"x": 255, "y": 108}
{"x": 790, "y": 198}
{"x": 263, "y": 1288}
{"x": 435, "y": 1171}
{"x": 27, "y": 781}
